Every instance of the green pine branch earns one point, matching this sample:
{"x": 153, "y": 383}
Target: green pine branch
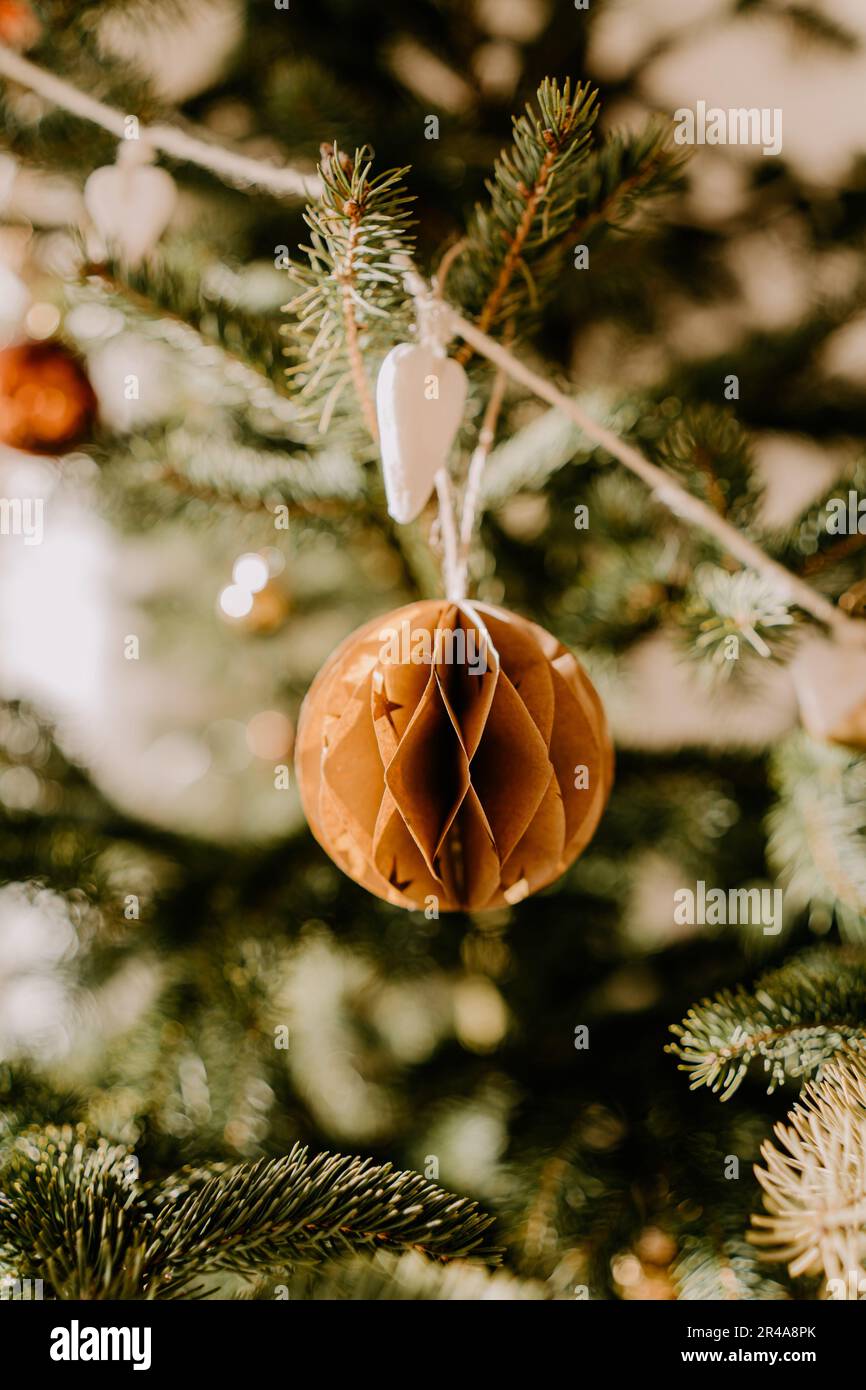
{"x": 727, "y": 617}
{"x": 624, "y": 174}
{"x": 162, "y": 470}
{"x": 709, "y": 452}
{"x": 795, "y": 1020}
{"x": 168, "y": 299}
{"x": 723, "y": 1269}
{"x": 410, "y": 1277}
{"x": 827, "y": 555}
{"x": 72, "y": 1212}
{"x": 550, "y": 190}
{"x": 817, "y": 833}
{"x": 813, "y": 1183}
{"x": 351, "y": 305}
{"x": 299, "y": 1210}
{"x": 514, "y": 247}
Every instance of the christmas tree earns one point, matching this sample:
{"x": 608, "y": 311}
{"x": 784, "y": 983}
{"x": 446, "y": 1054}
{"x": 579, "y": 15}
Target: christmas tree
{"x": 315, "y": 316}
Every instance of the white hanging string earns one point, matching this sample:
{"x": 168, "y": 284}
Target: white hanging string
{"x": 475, "y": 476}
{"x": 666, "y": 488}
{"x": 455, "y": 589}
{"x": 180, "y": 144}
{"x": 433, "y": 310}
{"x": 433, "y": 333}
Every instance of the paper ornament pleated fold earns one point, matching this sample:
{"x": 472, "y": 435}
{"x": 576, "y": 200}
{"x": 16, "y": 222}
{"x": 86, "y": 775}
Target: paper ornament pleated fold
{"x": 453, "y": 751}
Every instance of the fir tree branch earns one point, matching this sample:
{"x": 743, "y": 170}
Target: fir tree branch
{"x": 795, "y": 1020}
{"x": 809, "y": 543}
{"x": 709, "y": 452}
{"x": 167, "y": 305}
{"x": 533, "y": 196}
{"x": 815, "y": 1182}
{"x": 620, "y": 177}
{"x": 549, "y": 189}
{"x": 817, "y": 832}
{"x": 724, "y": 1269}
{"x": 217, "y": 467}
{"x": 347, "y": 278}
{"x": 300, "y": 1210}
{"x": 528, "y": 457}
{"x": 744, "y": 606}
{"x": 790, "y": 587}
{"x": 73, "y": 1212}
{"x": 69, "y": 1214}
{"x": 408, "y": 1277}
{"x": 351, "y": 304}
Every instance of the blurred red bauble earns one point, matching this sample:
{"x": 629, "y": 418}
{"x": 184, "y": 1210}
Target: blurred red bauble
{"x": 47, "y": 404}
{"x": 19, "y": 27}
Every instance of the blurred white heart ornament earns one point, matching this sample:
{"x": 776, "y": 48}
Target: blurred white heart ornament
{"x": 830, "y": 681}
{"x": 420, "y": 397}
{"x": 131, "y": 202}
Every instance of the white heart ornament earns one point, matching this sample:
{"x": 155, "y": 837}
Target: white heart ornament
{"x": 830, "y": 682}
{"x": 130, "y": 205}
{"x": 420, "y": 397}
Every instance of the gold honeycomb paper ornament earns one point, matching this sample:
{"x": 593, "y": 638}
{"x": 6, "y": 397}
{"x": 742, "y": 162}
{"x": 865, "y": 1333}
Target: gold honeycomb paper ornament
{"x": 453, "y": 751}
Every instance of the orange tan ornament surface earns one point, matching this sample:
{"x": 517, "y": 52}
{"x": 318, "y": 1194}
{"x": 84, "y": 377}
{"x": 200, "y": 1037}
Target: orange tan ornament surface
{"x": 47, "y": 404}
{"x": 438, "y": 752}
